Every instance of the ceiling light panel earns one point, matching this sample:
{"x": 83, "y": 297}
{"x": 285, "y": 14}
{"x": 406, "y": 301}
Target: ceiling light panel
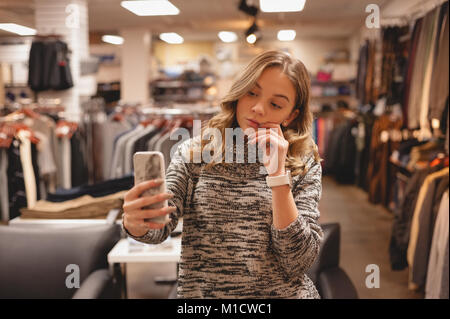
{"x": 286, "y": 35}
{"x": 227, "y": 36}
{"x": 151, "y": 7}
{"x": 112, "y": 39}
{"x": 17, "y": 28}
{"x": 281, "y": 5}
{"x": 171, "y": 37}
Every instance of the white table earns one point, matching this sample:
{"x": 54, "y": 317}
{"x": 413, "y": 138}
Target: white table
{"x": 66, "y": 223}
{"x": 169, "y": 251}
{"x": 56, "y": 223}
{"x": 125, "y": 252}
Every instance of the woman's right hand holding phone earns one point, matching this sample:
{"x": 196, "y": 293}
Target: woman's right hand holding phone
{"x": 134, "y": 216}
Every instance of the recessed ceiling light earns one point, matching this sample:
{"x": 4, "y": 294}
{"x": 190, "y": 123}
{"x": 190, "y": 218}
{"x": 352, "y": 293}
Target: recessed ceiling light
{"x": 286, "y": 35}
{"x": 227, "y": 36}
{"x": 113, "y": 39}
{"x": 251, "y": 38}
{"x": 150, "y": 7}
{"x": 17, "y": 28}
{"x": 171, "y": 37}
{"x": 281, "y": 5}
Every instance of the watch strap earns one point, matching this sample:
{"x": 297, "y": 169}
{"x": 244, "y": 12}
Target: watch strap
{"x": 273, "y": 181}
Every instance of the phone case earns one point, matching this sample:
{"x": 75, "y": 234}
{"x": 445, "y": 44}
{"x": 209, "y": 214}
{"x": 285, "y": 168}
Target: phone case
{"x": 147, "y": 166}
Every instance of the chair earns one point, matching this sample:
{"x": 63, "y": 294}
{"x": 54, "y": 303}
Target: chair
{"x": 331, "y": 281}
{"x": 33, "y": 262}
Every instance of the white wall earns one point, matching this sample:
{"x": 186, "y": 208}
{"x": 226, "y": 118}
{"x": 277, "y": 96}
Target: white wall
{"x": 107, "y": 72}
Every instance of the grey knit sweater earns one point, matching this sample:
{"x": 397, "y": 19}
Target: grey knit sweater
{"x": 230, "y": 248}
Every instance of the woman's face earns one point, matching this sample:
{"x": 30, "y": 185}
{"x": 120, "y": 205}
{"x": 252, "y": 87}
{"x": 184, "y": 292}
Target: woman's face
{"x": 272, "y": 99}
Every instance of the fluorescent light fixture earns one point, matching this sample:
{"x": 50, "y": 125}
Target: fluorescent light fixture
{"x": 113, "y": 39}
{"x": 17, "y": 28}
{"x": 151, "y": 7}
{"x": 251, "y": 38}
{"x": 286, "y": 35}
{"x": 171, "y": 37}
{"x": 227, "y": 36}
{"x": 281, "y": 5}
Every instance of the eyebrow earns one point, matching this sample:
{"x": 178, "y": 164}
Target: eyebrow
{"x": 278, "y": 95}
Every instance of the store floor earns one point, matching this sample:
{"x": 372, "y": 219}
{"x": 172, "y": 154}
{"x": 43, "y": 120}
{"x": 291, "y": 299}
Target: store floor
{"x": 365, "y": 234}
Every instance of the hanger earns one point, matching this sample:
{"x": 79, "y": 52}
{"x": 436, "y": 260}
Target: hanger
{"x": 65, "y": 128}
{"x": 6, "y": 135}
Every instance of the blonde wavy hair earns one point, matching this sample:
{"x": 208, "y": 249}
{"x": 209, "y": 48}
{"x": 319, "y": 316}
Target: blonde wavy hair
{"x": 299, "y": 131}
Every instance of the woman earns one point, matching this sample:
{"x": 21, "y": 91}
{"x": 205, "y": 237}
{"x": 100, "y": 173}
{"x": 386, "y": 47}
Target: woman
{"x": 245, "y": 236}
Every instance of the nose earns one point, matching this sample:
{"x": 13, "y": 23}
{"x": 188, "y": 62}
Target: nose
{"x": 258, "y": 108}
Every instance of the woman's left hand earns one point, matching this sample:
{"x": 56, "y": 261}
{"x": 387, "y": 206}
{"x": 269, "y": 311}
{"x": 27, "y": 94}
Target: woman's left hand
{"x": 274, "y": 146}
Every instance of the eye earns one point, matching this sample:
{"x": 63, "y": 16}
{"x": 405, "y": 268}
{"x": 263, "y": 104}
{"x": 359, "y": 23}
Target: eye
{"x": 251, "y": 93}
{"x": 275, "y": 105}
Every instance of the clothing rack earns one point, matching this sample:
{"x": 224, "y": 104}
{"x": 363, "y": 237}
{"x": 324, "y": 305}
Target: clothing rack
{"x": 417, "y": 11}
{"x": 423, "y": 8}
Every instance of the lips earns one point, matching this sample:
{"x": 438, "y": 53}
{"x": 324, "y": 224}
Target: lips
{"x": 253, "y": 123}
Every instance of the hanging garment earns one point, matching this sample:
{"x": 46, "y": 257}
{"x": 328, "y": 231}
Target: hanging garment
{"x": 16, "y": 182}
{"x": 65, "y": 155}
{"x": 110, "y": 129}
{"x": 362, "y": 71}
{"x": 439, "y": 88}
{"x": 27, "y": 165}
{"x": 49, "y": 67}
{"x": 379, "y": 171}
{"x": 119, "y": 149}
{"x": 419, "y": 240}
{"x": 418, "y": 72}
{"x": 78, "y": 168}
{"x": 4, "y": 208}
{"x": 129, "y": 148}
{"x": 425, "y": 130}
{"x": 421, "y": 73}
{"x": 445, "y": 271}
{"x": 437, "y": 254}
{"x": 60, "y": 74}
{"x": 410, "y": 68}
{"x": 141, "y": 144}
{"x": 403, "y": 217}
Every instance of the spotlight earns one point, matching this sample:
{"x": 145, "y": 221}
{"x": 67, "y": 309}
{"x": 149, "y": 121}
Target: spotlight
{"x": 251, "y": 38}
{"x": 253, "y": 34}
{"x": 250, "y": 10}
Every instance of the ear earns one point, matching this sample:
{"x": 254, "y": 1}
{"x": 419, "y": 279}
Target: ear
{"x": 292, "y": 116}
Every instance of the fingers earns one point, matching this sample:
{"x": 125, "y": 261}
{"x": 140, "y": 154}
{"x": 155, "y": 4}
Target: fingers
{"x": 137, "y": 218}
{"x": 138, "y": 189}
{"x": 151, "y": 213}
{"x": 275, "y": 126}
{"x": 142, "y": 224}
{"x": 145, "y": 201}
{"x": 267, "y": 135}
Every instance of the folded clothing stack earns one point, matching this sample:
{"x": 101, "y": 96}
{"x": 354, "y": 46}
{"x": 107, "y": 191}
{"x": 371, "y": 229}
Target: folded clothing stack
{"x": 83, "y": 207}
{"x": 96, "y": 190}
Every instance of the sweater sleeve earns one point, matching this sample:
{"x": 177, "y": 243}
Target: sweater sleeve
{"x": 178, "y": 179}
{"x": 297, "y": 246}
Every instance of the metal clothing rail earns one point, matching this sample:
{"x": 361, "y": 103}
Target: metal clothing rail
{"x": 180, "y": 111}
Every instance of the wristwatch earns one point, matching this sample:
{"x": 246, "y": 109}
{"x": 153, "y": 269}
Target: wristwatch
{"x": 285, "y": 179}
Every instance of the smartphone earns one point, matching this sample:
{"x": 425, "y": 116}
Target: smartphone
{"x": 148, "y": 166}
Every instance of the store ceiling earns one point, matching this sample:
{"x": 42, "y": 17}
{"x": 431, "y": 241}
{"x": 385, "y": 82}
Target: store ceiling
{"x": 202, "y": 19}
